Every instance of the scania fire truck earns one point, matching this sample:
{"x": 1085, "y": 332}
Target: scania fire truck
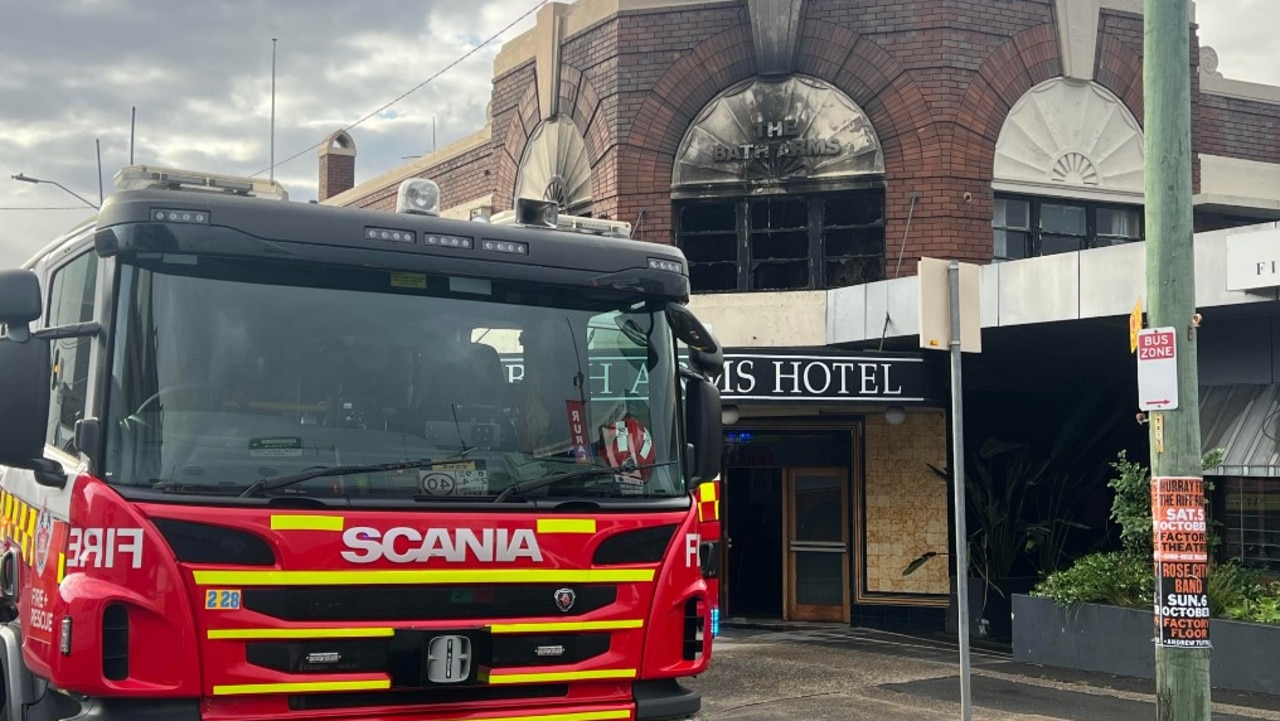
{"x": 265, "y": 458}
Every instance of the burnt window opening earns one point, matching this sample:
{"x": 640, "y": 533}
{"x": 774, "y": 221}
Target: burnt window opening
{"x": 783, "y": 243}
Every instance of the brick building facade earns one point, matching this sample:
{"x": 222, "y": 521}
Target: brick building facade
{"x": 805, "y": 152}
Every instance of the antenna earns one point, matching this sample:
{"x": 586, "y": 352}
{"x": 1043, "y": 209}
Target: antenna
{"x": 272, "y": 176}
{"x": 98, "y": 144}
{"x": 133, "y": 124}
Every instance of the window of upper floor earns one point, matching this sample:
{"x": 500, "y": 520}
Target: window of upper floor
{"x": 1026, "y": 226}
{"x": 795, "y": 242}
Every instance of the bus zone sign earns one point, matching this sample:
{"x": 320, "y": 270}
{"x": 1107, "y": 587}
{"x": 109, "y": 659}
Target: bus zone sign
{"x": 1158, "y": 369}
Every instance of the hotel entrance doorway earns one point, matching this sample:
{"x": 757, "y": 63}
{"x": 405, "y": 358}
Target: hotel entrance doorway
{"x": 788, "y": 524}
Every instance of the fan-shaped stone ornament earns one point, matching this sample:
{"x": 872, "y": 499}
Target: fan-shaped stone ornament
{"x": 798, "y": 128}
{"x": 1070, "y": 137}
{"x": 556, "y": 167}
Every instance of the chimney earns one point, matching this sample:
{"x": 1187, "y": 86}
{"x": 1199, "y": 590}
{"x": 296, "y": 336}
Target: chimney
{"x": 337, "y": 164}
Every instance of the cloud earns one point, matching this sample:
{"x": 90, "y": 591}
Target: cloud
{"x": 199, "y": 75}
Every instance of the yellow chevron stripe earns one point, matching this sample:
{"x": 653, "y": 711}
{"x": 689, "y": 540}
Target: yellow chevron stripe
{"x": 596, "y": 675}
{"x": 567, "y": 626}
{"x": 62, "y": 566}
{"x": 301, "y": 687}
{"x": 245, "y": 634}
{"x": 602, "y": 715}
{"x": 306, "y": 523}
{"x": 448, "y": 575}
{"x": 566, "y": 525}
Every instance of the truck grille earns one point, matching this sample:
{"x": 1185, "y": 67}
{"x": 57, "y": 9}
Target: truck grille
{"x": 415, "y": 603}
{"x": 375, "y": 655}
{"x": 470, "y": 694}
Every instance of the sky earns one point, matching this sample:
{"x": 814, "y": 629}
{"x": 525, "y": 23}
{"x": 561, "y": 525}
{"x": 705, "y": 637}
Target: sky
{"x": 199, "y": 75}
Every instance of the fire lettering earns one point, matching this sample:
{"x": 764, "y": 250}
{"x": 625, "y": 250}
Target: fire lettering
{"x": 100, "y": 547}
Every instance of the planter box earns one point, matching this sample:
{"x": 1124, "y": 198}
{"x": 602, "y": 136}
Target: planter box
{"x": 1110, "y": 639}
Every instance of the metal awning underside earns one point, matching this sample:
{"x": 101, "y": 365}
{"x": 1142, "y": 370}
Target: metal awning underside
{"x": 1244, "y": 421}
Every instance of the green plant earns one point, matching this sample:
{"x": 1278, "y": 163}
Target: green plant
{"x": 1119, "y": 578}
{"x": 1131, "y": 506}
{"x": 1231, "y": 585}
{"x": 1022, "y": 500}
{"x": 1263, "y": 606}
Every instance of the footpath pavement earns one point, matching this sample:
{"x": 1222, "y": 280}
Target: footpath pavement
{"x": 831, "y": 673}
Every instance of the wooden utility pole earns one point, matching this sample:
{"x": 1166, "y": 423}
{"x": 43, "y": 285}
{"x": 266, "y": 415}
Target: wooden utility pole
{"x": 1182, "y": 659}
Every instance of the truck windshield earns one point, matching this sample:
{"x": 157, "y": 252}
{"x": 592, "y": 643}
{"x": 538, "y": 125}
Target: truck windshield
{"x": 225, "y": 373}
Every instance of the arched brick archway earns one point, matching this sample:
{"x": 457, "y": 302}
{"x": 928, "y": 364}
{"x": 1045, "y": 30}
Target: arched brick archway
{"x": 855, "y": 64}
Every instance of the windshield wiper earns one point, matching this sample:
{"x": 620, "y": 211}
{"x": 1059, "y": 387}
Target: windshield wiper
{"x": 523, "y": 487}
{"x": 198, "y": 488}
{"x": 269, "y": 484}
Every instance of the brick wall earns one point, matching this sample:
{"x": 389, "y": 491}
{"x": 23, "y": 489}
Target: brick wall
{"x": 936, "y": 77}
{"x": 905, "y": 504}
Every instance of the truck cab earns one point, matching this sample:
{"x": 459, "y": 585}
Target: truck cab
{"x": 261, "y": 457}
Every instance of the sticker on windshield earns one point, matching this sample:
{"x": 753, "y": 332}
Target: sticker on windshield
{"x": 288, "y": 447}
{"x": 468, "y": 478}
{"x": 408, "y": 280}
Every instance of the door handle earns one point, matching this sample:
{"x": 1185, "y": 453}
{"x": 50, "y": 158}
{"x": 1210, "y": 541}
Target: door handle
{"x": 819, "y": 546}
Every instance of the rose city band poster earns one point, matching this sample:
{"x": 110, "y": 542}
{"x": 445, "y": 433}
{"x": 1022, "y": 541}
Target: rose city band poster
{"x": 1181, "y": 561}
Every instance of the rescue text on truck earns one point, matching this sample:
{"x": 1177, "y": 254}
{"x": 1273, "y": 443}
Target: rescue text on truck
{"x": 261, "y": 457}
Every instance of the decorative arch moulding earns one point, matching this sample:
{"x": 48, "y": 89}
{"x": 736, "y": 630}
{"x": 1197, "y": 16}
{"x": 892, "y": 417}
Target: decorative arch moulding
{"x": 1070, "y": 137}
{"x": 555, "y": 166}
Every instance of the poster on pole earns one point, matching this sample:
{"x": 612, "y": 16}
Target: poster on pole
{"x": 1181, "y": 561}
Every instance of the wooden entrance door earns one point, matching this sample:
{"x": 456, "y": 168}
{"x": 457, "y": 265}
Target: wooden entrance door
{"x": 816, "y": 538}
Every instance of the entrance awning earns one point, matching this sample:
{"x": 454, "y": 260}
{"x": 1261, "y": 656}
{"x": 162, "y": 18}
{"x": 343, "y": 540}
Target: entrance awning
{"x": 1244, "y": 421}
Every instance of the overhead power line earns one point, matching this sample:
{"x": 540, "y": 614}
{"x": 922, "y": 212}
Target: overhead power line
{"x": 412, "y": 90}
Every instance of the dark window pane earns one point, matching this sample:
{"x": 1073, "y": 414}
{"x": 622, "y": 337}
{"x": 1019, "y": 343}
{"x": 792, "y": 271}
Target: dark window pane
{"x": 1010, "y": 245}
{"x": 1015, "y": 214}
{"x": 819, "y": 579}
{"x": 779, "y": 214}
{"x": 710, "y": 248}
{"x": 861, "y": 241}
{"x": 1119, "y": 223}
{"x": 713, "y": 276}
{"x": 707, "y": 217}
{"x": 861, "y": 209}
{"x": 71, "y": 302}
{"x": 853, "y": 271}
{"x": 1251, "y": 521}
{"x": 1052, "y": 244}
{"x": 768, "y": 246}
{"x": 1062, "y": 219}
{"x": 781, "y": 276}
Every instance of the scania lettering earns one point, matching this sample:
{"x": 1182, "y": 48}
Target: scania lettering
{"x": 452, "y": 545}
{"x": 261, "y": 458}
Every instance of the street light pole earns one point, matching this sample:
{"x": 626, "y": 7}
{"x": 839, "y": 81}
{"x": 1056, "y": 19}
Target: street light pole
{"x": 29, "y": 179}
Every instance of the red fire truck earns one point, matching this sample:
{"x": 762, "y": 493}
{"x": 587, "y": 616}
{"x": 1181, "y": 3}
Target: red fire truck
{"x": 263, "y": 458}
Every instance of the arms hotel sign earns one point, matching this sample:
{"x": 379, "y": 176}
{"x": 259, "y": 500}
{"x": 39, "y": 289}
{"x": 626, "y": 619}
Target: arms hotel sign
{"x": 775, "y": 376}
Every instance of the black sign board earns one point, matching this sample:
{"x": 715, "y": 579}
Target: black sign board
{"x": 776, "y": 376}
{"x": 808, "y": 376}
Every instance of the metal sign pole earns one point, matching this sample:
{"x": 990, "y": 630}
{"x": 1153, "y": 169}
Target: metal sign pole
{"x": 962, "y": 534}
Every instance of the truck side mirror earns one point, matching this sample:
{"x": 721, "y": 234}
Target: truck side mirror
{"x": 704, "y": 429}
{"x": 24, "y": 372}
{"x": 705, "y": 353}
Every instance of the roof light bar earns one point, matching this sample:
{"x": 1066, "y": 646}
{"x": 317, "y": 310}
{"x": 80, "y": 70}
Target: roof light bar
{"x": 138, "y": 177}
{"x": 418, "y": 196}
{"x": 546, "y": 214}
